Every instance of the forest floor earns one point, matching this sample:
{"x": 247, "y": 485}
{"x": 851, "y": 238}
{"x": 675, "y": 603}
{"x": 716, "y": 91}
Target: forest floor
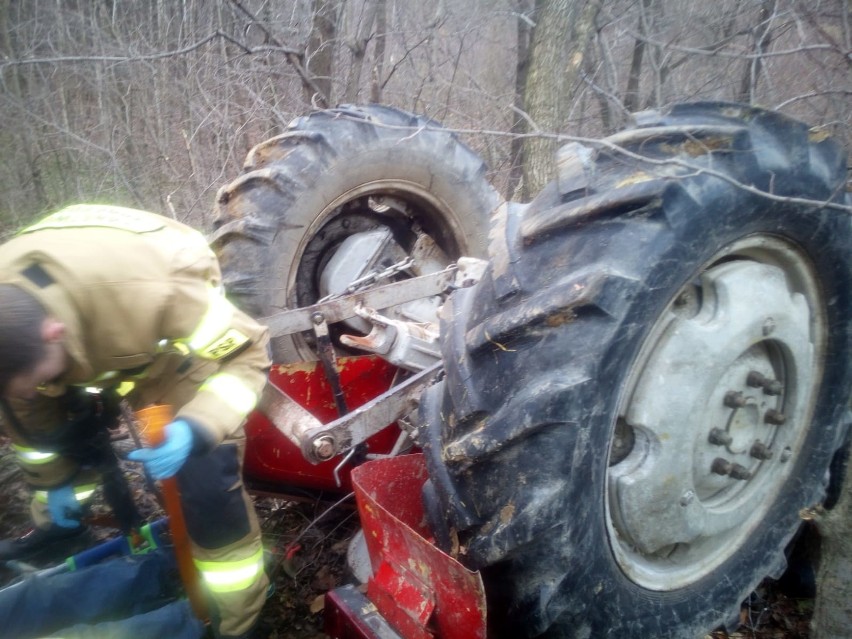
{"x": 307, "y": 543}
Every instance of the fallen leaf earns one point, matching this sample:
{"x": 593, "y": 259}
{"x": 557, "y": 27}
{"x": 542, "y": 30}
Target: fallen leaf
{"x": 318, "y": 604}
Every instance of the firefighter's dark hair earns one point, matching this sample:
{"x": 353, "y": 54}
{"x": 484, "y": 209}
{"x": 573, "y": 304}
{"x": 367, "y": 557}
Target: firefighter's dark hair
{"x": 21, "y": 343}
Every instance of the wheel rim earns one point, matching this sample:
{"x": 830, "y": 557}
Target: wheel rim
{"x": 404, "y": 208}
{"x": 714, "y": 413}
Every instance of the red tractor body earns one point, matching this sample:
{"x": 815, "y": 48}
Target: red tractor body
{"x": 275, "y": 463}
{"x": 418, "y": 591}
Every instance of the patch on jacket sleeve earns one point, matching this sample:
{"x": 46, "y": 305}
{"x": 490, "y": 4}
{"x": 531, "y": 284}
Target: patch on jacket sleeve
{"x": 226, "y": 345}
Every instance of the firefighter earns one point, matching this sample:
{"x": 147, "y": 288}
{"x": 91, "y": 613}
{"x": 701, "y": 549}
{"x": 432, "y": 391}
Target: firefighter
{"x": 131, "y": 302}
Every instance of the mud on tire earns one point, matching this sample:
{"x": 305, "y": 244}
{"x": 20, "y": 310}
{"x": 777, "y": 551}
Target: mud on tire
{"x": 338, "y": 173}
{"x": 649, "y": 383}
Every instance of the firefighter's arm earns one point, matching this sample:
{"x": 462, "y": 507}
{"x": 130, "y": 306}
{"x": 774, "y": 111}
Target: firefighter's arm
{"x": 28, "y": 424}
{"x": 212, "y": 328}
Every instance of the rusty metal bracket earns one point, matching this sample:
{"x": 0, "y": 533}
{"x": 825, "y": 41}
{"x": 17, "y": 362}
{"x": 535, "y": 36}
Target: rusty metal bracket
{"x": 352, "y": 429}
{"x": 287, "y": 415}
{"x": 329, "y": 361}
{"x": 466, "y": 272}
{"x": 320, "y": 442}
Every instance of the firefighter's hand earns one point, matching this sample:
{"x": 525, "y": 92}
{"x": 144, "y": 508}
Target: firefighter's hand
{"x": 65, "y": 510}
{"x": 166, "y": 459}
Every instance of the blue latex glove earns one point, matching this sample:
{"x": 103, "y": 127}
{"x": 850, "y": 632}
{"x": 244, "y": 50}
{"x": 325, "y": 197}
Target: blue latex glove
{"x": 65, "y": 510}
{"x": 166, "y": 459}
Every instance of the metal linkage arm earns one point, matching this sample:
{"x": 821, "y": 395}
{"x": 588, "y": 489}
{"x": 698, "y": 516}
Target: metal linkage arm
{"x": 466, "y": 272}
{"x": 320, "y": 442}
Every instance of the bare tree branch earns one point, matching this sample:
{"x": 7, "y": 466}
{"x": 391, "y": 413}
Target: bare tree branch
{"x": 67, "y": 59}
{"x": 620, "y": 150}
{"x": 717, "y": 51}
{"x": 295, "y": 59}
{"x": 70, "y": 59}
{"x": 812, "y": 94}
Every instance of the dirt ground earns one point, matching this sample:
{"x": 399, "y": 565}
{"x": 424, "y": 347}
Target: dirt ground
{"x": 307, "y": 544}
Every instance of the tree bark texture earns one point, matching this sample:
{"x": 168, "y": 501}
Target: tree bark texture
{"x": 522, "y": 65}
{"x": 363, "y": 30}
{"x": 562, "y": 31}
{"x": 632, "y": 98}
{"x": 320, "y": 54}
{"x": 378, "y": 70}
{"x": 833, "y": 606}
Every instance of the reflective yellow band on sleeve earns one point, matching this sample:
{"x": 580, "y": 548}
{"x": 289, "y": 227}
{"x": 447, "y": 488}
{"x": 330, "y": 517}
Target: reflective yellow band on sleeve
{"x": 82, "y": 492}
{"x": 214, "y": 337}
{"x": 231, "y": 390}
{"x": 231, "y": 576}
{"x": 33, "y": 456}
{"x": 125, "y": 388}
{"x": 96, "y": 386}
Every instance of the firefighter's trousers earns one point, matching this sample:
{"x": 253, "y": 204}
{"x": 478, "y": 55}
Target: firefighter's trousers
{"x": 225, "y": 536}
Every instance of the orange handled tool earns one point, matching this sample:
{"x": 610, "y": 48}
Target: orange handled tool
{"x": 152, "y": 423}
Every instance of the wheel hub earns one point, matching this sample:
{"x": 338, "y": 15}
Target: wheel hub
{"x": 374, "y": 257}
{"x": 718, "y": 404}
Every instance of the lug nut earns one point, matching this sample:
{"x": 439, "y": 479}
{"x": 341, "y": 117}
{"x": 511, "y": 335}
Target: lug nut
{"x": 719, "y": 437}
{"x": 720, "y": 466}
{"x": 775, "y": 417}
{"x": 734, "y": 471}
{"x": 739, "y": 472}
{"x": 769, "y": 386}
{"x": 755, "y": 379}
{"x": 684, "y": 298}
{"x": 786, "y": 454}
{"x": 773, "y": 387}
{"x": 734, "y": 399}
{"x": 761, "y": 451}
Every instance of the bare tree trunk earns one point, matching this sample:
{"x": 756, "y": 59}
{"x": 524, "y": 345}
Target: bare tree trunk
{"x": 562, "y": 31}
{"x": 524, "y": 9}
{"x": 605, "y": 99}
{"x": 832, "y": 617}
{"x": 320, "y": 54}
{"x": 27, "y": 172}
{"x": 363, "y": 29}
{"x": 379, "y": 51}
{"x": 762, "y": 38}
{"x": 631, "y": 94}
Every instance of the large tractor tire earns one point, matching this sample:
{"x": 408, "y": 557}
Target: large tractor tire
{"x": 344, "y": 194}
{"x": 651, "y": 380}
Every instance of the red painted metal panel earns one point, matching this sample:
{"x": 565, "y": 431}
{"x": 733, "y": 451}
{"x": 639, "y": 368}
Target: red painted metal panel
{"x": 420, "y": 590}
{"x": 348, "y": 614}
{"x": 271, "y": 458}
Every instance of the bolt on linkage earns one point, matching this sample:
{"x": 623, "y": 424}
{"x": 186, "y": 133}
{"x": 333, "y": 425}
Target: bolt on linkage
{"x": 323, "y": 447}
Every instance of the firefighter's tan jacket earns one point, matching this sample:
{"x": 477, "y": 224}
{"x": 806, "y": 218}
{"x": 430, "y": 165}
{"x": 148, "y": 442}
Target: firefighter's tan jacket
{"x": 141, "y": 297}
